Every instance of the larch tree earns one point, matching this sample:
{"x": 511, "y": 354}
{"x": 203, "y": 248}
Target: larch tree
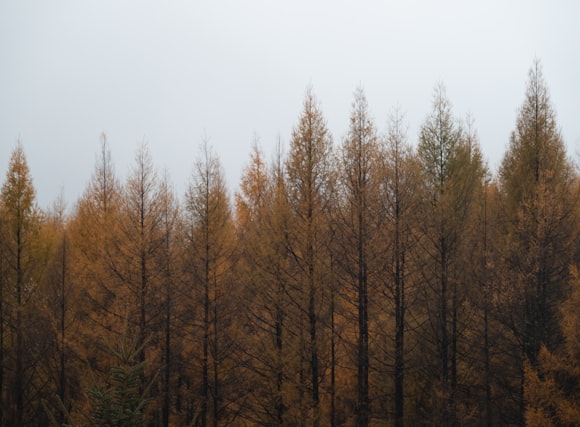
{"x": 93, "y": 228}
{"x": 22, "y": 270}
{"x": 309, "y": 185}
{"x": 536, "y": 182}
{"x": 357, "y": 229}
{"x": 481, "y": 266}
{"x": 210, "y": 244}
{"x": 169, "y": 292}
{"x": 262, "y": 215}
{"x": 137, "y": 266}
{"x": 92, "y": 233}
{"x": 552, "y": 388}
{"x": 140, "y": 245}
{"x": 60, "y": 295}
{"x": 399, "y": 191}
{"x": 450, "y": 170}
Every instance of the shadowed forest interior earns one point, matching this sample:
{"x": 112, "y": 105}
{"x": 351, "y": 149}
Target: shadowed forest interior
{"x": 380, "y": 279}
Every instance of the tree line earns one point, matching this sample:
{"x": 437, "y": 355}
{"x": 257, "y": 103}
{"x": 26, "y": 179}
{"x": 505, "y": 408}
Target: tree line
{"x": 367, "y": 282}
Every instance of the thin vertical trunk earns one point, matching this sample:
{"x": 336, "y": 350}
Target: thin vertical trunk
{"x": 144, "y": 278}
{"x": 486, "y": 302}
{"x": 312, "y": 297}
{"x": 399, "y": 299}
{"x": 313, "y": 343}
{"x": 206, "y": 307}
{"x": 302, "y": 374}
{"x": 19, "y": 331}
{"x": 363, "y": 342}
{"x": 453, "y": 355}
{"x": 332, "y": 361}
{"x": 142, "y": 308}
{"x": 62, "y": 387}
{"x": 205, "y": 358}
{"x": 167, "y": 356}
{"x": 399, "y": 323}
{"x": 216, "y": 388}
{"x": 444, "y": 348}
{"x": 488, "y": 406}
{"x": 279, "y": 363}
{"x": 522, "y": 387}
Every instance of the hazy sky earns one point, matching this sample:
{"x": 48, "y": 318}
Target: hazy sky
{"x": 169, "y": 72}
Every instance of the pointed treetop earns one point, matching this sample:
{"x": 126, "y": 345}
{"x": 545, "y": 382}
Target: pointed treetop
{"x": 18, "y": 191}
{"x": 536, "y": 152}
{"x": 438, "y": 140}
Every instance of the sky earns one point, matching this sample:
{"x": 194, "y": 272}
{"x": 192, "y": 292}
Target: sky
{"x": 172, "y": 73}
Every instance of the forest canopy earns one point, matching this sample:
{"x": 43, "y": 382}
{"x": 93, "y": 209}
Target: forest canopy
{"x": 372, "y": 280}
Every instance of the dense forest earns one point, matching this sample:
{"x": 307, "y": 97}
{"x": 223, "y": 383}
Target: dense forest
{"x": 371, "y": 281}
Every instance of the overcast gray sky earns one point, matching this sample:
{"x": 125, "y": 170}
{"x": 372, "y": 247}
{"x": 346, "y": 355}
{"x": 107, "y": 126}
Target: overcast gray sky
{"x": 168, "y": 72}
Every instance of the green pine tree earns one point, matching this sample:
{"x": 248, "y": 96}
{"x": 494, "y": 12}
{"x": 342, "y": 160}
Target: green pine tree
{"x": 121, "y": 402}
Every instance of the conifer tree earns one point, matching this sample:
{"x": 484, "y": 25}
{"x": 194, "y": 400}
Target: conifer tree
{"x": 309, "y": 185}
{"x": 21, "y": 221}
{"x": 400, "y": 187}
{"x": 210, "y": 243}
{"x": 93, "y": 228}
{"x": 140, "y": 245}
{"x": 552, "y": 388}
{"x": 536, "y": 182}
{"x": 451, "y": 168}
{"x": 357, "y": 229}
{"x": 262, "y": 219}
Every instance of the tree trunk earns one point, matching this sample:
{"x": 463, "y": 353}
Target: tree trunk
{"x": 399, "y": 337}
{"x": 279, "y": 363}
{"x": 205, "y": 358}
{"x": 167, "y": 368}
{"x": 332, "y": 361}
{"x": 488, "y": 406}
{"x": 19, "y": 332}
{"x": 62, "y": 385}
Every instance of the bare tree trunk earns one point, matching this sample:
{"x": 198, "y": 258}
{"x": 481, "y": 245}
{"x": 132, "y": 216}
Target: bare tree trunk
{"x": 313, "y": 351}
{"x": 363, "y": 344}
{"x": 453, "y": 386}
{"x": 216, "y": 387}
{"x": 167, "y": 356}
{"x": 487, "y": 364}
{"x": 332, "y": 361}
{"x": 444, "y": 346}
{"x": 19, "y": 333}
{"x": 62, "y": 382}
{"x": 399, "y": 336}
{"x": 363, "y": 341}
{"x": 279, "y": 367}
{"x": 205, "y": 358}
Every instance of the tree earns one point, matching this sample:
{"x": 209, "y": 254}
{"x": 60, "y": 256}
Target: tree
{"x": 93, "y": 227}
{"x": 60, "y": 297}
{"x": 400, "y": 186}
{"x": 170, "y": 227}
{"x": 210, "y": 243}
{"x": 122, "y": 400}
{"x": 262, "y": 214}
{"x": 536, "y": 183}
{"x": 141, "y": 243}
{"x": 552, "y": 389}
{"x": 309, "y": 185}
{"x": 357, "y": 229}
{"x": 21, "y": 220}
{"x": 451, "y": 167}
